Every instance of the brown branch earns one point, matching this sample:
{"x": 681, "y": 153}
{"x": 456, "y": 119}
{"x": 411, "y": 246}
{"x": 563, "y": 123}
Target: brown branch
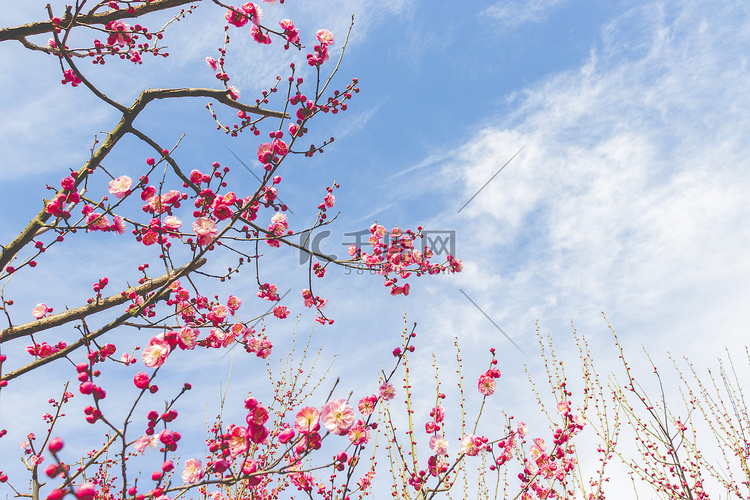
{"x": 221, "y": 96}
{"x": 95, "y": 307}
{"x": 67, "y": 21}
{"x": 86, "y": 339}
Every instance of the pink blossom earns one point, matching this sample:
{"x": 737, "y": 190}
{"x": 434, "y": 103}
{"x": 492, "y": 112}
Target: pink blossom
{"x": 157, "y": 351}
{"x": 439, "y": 445}
{"x": 387, "y": 391}
{"x": 486, "y": 385}
{"x": 234, "y": 17}
{"x": 280, "y": 147}
{"x": 471, "y": 446}
{"x": 522, "y": 429}
{"x": 563, "y": 407}
{"x": 330, "y": 200}
{"x": 97, "y": 222}
{"x": 120, "y": 34}
{"x": 325, "y": 37}
{"x": 87, "y": 491}
{"x": 205, "y": 229}
{"x": 265, "y": 152}
{"x": 367, "y": 404}
{"x": 212, "y": 64}
{"x": 359, "y": 434}
{"x": 438, "y": 413}
{"x": 196, "y": 177}
{"x": 286, "y": 435}
{"x": 193, "y": 471}
{"x": 141, "y": 380}
{"x": 307, "y": 420}
{"x": 172, "y": 223}
{"x": 144, "y": 442}
{"x": 237, "y": 439}
{"x": 120, "y": 187}
{"x": 337, "y": 416}
{"x": 118, "y": 225}
{"x": 234, "y": 302}
{"x": 281, "y": 312}
{"x": 40, "y": 311}
{"x": 186, "y": 338}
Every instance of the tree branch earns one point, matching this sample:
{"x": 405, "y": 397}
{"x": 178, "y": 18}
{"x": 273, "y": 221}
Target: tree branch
{"x": 95, "y": 307}
{"x": 67, "y": 21}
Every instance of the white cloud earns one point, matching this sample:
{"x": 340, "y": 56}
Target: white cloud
{"x": 630, "y": 194}
{"x": 511, "y": 14}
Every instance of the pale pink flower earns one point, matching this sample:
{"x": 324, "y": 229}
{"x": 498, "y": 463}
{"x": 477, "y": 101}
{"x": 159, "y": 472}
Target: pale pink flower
{"x": 307, "y": 420}
{"x": 439, "y": 445}
{"x": 118, "y": 225}
{"x": 522, "y": 429}
{"x": 330, "y": 200}
{"x": 367, "y": 404}
{"x": 337, "y": 416}
{"x": 537, "y": 449}
{"x": 325, "y": 37}
{"x": 359, "y": 434}
{"x": 120, "y": 187}
{"x": 172, "y": 223}
{"x": 387, "y": 391}
{"x": 193, "y": 471}
{"x": 205, "y": 229}
{"x": 40, "y": 311}
{"x": 157, "y": 351}
{"x": 237, "y": 441}
{"x": 563, "y": 407}
{"x": 144, "y": 442}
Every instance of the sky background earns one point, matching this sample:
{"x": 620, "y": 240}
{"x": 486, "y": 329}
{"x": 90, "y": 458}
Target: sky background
{"x": 627, "y": 193}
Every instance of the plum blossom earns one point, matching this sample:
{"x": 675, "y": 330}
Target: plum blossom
{"x": 486, "y": 385}
{"x": 144, "y": 442}
{"x": 97, "y": 222}
{"x": 359, "y": 434}
{"x": 337, "y": 416}
{"x": 307, "y": 420}
{"x": 118, "y": 225}
{"x": 325, "y": 37}
{"x": 439, "y": 445}
{"x": 367, "y": 404}
{"x": 212, "y": 64}
{"x": 172, "y": 223}
{"x": 186, "y": 338}
{"x": 120, "y": 187}
{"x": 40, "y": 311}
{"x": 157, "y": 351}
{"x": 193, "y": 471}
{"x": 205, "y": 229}
{"x": 471, "y": 446}
{"x": 387, "y": 391}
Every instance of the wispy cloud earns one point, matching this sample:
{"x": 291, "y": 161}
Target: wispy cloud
{"x": 630, "y": 194}
{"x": 512, "y": 14}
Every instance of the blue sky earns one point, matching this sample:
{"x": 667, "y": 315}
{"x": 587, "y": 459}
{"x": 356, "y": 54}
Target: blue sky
{"x": 628, "y": 195}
